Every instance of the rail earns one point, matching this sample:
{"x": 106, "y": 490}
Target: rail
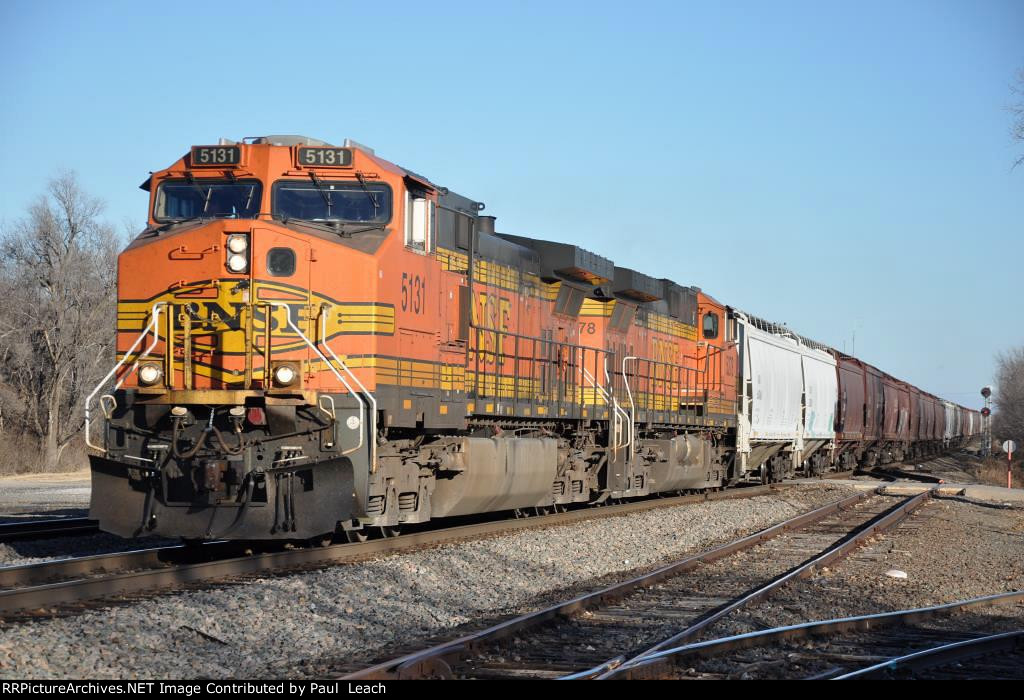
{"x": 42, "y": 586}
{"x": 682, "y": 655}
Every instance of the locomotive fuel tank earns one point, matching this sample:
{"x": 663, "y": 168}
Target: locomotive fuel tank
{"x": 497, "y": 473}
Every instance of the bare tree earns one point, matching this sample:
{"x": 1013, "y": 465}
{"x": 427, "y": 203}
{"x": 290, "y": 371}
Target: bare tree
{"x": 57, "y": 315}
{"x": 1017, "y": 109}
{"x": 1008, "y": 419}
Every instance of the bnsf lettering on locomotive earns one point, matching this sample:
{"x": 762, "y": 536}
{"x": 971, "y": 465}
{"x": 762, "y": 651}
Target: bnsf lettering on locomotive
{"x": 230, "y": 315}
{"x": 492, "y": 312}
{"x": 663, "y": 351}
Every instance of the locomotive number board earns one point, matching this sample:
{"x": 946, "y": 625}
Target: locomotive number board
{"x": 321, "y": 157}
{"x": 216, "y": 155}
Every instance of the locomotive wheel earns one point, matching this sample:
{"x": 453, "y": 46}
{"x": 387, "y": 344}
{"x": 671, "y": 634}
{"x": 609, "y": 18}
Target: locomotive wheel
{"x": 354, "y": 536}
{"x": 386, "y": 531}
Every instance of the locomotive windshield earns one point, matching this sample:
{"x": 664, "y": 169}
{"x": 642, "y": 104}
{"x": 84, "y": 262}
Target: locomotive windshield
{"x": 320, "y": 200}
{"x": 178, "y": 200}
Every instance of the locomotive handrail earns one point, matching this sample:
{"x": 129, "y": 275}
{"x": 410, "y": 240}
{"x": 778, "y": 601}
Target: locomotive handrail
{"x": 616, "y": 409}
{"x": 629, "y": 393}
{"x": 371, "y": 400}
{"x": 362, "y": 408}
{"x": 627, "y": 416}
{"x": 151, "y": 326}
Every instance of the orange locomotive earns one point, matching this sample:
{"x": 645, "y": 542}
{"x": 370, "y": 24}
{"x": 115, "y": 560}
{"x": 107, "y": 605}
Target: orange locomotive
{"x": 313, "y": 340}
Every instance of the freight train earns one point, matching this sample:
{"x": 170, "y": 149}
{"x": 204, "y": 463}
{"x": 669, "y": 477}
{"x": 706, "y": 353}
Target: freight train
{"x": 315, "y": 342}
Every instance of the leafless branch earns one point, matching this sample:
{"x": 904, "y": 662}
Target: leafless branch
{"x": 57, "y": 314}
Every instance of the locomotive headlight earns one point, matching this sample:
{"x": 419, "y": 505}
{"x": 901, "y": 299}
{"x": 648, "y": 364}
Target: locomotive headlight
{"x": 237, "y": 244}
{"x": 149, "y": 374}
{"x": 237, "y": 263}
{"x": 285, "y": 375}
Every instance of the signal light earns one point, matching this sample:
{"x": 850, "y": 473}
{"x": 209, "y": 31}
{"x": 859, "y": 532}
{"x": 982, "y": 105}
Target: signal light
{"x": 986, "y": 412}
{"x": 986, "y": 391}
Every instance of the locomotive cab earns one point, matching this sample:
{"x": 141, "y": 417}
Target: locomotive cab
{"x": 238, "y": 391}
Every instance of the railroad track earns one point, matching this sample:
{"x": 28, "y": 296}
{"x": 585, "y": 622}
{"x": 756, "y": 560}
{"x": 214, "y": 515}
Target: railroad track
{"x": 952, "y": 640}
{"x": 56, "y": 587}
{"x": 39, "y": 529}
{"x": 594, "y": 635}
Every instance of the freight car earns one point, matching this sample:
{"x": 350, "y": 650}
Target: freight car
{"x": 315, "y": 341}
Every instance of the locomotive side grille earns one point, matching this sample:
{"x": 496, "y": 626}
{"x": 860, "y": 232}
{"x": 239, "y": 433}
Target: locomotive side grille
{"x": 577, "y": 486}
{"x": 558, "y": 489}
{"x": 375, "y": 506}
{"x": 408, "y": 501}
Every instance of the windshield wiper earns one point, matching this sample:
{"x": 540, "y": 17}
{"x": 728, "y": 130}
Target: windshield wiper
{"x": 337, "y": 227}
{"x": 237, "y": 190}
{"x": 206, "y": 196}
{"x": 371, "y": 195}
{"x": 321, "y": 190}
{"x": 176, "y": 222}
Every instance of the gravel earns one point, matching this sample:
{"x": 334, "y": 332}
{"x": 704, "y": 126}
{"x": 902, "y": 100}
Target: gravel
{"x": 49, "y": 494}
{"x": 34, "y": 551}
{"x": 951, "y": 550}
{"x": 307, "y": 624}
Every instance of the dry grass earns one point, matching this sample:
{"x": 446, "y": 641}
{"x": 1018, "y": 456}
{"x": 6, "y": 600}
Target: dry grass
{"x": 993, "y": 471}
{"x": 21, "y": 455}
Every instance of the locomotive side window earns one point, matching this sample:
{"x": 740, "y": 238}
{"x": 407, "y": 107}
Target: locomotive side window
{"x": 281, "y": 262}
{"x": 419, "y": 223}
{"x": 178, "y": 200}
{"x": 710, "y": 325}
{"x": 320, "y": 200}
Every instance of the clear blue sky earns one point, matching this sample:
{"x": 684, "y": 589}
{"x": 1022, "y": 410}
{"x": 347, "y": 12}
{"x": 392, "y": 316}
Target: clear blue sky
{"x": 840, "y": 167}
